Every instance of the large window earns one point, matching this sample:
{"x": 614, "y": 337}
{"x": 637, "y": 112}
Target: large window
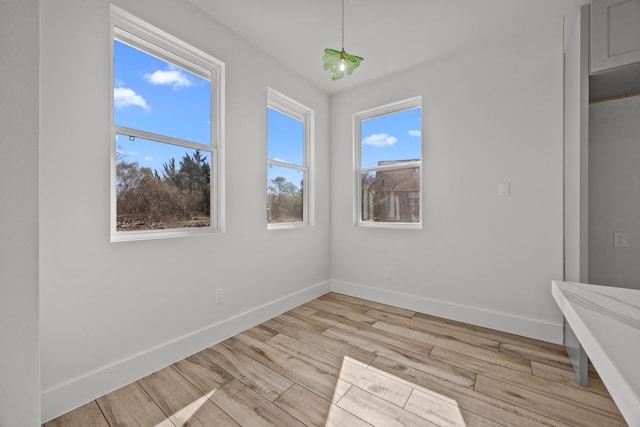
{"x": 289, "y": 141}
{"x": 167, "y": 134}
{"x": 388, "y": 147}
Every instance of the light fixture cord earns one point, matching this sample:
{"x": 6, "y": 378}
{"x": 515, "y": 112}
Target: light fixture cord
{"x": 343, "y": 25}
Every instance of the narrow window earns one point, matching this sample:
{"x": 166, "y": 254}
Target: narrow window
{"x": 388, "y": 147}
{"x": 289, "y": 140}
{"x": 166, "y": 134}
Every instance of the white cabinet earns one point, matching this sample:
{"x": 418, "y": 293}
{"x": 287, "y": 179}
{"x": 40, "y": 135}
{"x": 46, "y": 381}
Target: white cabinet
{"x": 615, "y": 33}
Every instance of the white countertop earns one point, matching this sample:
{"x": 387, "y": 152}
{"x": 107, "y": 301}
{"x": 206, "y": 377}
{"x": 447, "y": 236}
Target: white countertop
{"x": 606, "y": 321}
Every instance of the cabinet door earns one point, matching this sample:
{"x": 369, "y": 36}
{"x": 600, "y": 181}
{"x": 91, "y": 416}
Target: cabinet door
{"x": 615, "y": 33}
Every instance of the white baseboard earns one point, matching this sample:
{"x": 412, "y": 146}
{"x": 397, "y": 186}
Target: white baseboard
{"x": 506, "y": 322}
{"x": 65, "y": 397}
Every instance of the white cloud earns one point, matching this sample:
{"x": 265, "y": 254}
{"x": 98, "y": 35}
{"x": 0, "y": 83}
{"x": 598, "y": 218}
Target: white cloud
{"x": 173, "y": 77}
{"x": 415, "y": 132}
{"x": 124, "y": 97}
{"x": 148, "y": 158}
{"x": 278, "y": 159}
{"x": 380, "y": 140}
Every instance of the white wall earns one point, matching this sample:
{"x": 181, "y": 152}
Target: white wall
{"x": 113, "y": 312}
{"x": 492, "y": 114}
{"x": 614, "y": 193}
{"x": 19, "y": 353}
{"x": 576, "y": 147}
{"x": 110, "y": 313}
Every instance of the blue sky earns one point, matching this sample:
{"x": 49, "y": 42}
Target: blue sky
{"x": 154, "y": 96}
{"x": 285, "y": 143}
{"x": 394, "y": 136}
{"x": 285, "y": 138}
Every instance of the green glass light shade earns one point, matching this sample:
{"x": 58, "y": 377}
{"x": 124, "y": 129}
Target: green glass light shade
{"x": 333, "y": 60}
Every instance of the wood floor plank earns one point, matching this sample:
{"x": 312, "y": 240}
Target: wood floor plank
{"x": 538, "y": 402}
{"x": 440, "y": 369}
{"x": 375, "y": 383}
{"x": 312, "y": 355}
{"x": 367, "y": 305}
{"x": 489, "y": 407}
{"x": 338, "y": 417}
{"x": 442, "y": 333}
{"x": 342, "y": 311}
{"x": 558, "y": 357}
{"x": 304, "y": 322}
{"x": 377, "y": 334}
{"x": 86, "y": 415}
{"x": 182, "y": 402}
{"x": 482, "y": 361}
{"x": 343, "y": 361}
{"x": 304, "y": 311}
{"x": 327, "y": 385}
{"x": 480, "y": 346}
{"x": 444, "y": 412}
{"x": 200, "y": 371}
{"x": 131, "y": 406}
{"x": 322, "y": 342}
{"x": 349, "y": 304}
{"x": 329, "y": 319}
{"x": 304, "y": 405}
{"x": 573, "y": 395}
{"x": 568, "y": 377}
{"x": 480, "y": 331}
{"x": 261, "y": 332}
{"x": 265, "y": 381}
{"x": 377, "y": 411}
{"x": 249, "y": 408}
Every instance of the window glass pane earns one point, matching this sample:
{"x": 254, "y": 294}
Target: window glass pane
{"x": 156, "y": 96}
{"x": 285, "y": 138}
{"x": 284, "y": 194}
{"x": 390, "y": 195}
{"x": 161, "y": 186}
{"x": 391, "y": 138}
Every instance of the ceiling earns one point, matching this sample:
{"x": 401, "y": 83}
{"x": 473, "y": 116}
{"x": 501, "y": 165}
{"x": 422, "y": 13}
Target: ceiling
{"x": 390, "y": 35}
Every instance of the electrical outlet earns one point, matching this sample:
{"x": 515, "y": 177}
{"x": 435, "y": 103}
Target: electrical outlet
{"x": 388, "y": 273}
{"x": 219, "y": 295}
{"x": 620, "y": 239}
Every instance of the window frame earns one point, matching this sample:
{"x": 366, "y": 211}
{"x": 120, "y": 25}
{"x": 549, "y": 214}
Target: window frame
{"x": 288, "y": 106}
{"x": 141, "y": 35}
{"x": 358, "y": 118}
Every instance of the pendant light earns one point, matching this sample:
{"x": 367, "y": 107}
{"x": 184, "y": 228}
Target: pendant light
{"x": 340, "y": 62}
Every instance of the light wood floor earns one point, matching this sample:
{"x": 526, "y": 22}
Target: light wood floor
{"x": 343, "y": 361}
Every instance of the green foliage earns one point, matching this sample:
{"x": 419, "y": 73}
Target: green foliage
{"x": 147, "y": 200}
{"x": 285, "y": 201}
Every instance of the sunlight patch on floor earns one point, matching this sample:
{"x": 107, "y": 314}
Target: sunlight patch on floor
{"x": 188, "y": 411}
{"x": 381, "y": 398}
